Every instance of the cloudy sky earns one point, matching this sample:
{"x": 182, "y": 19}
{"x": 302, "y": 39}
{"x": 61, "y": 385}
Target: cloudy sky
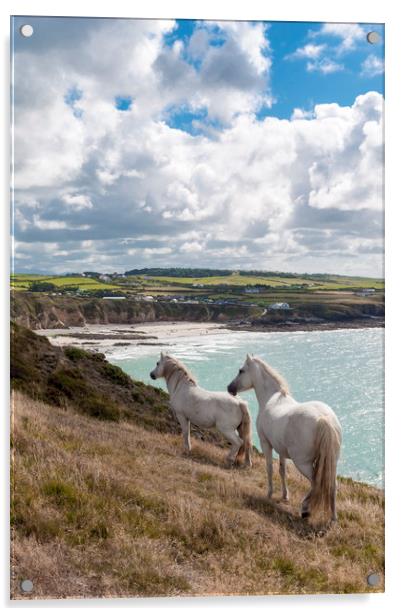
{"x": 141, "y": 143}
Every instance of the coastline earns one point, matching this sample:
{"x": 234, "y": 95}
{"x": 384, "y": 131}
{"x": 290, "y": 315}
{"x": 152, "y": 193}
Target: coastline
{"x": 111, "y": 338}
{"x": 155, "y": 332}
{"x": 309, "y": 327}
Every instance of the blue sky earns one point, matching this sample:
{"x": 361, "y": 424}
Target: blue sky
{"x": 314, "y": 88}
{"x": 292, "y": 84}
{"x": 232, "y": 144}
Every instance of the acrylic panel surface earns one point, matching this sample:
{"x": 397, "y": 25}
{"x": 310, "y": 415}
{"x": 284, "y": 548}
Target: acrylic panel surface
{"x": 212, "y": 191}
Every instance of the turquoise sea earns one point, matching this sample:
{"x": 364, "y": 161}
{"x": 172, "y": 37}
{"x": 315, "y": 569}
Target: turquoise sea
{"x": 344, "y": 368}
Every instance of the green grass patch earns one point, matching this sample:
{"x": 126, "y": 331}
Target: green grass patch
{"x": 116, "y": 375}
{"x": 75, "y": 354}
{"x": 60, "y": 492}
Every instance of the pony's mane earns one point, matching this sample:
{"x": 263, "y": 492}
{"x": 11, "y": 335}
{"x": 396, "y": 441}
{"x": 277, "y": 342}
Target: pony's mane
{"x": 174, "y": 365}
{"x": 276, "y": 376}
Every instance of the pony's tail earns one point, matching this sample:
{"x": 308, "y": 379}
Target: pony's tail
{"x": 245, "y": 432}
{"x": 327, "y": 447}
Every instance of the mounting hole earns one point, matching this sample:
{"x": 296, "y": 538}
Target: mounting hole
{"x": 373, "y": 579}
{"x": 373, "y": 37}
{"x": 26, "y": 30}
{"x": 27, "y": 586}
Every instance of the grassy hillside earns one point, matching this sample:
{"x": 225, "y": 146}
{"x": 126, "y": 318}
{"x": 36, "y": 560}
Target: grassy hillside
{"x": 115, "y": 510}
{"x": 329, "y": 283}
{"x": 105, "y": 504}
{"x": 88, "y": 383}
{"x": 171, "y": 283}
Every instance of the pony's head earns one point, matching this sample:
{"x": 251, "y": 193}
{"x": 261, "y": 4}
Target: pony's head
{"x": 253, "y": 369}
{"x": 158, "y": 371}
{"x": 170, "y": 367}
{"x": 243, "y": 380}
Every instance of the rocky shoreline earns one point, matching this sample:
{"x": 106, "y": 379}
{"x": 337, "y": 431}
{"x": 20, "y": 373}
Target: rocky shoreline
{"x": 308, "y": 327}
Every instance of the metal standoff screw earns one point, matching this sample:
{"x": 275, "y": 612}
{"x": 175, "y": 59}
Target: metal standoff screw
{"x": 27, "y": 586}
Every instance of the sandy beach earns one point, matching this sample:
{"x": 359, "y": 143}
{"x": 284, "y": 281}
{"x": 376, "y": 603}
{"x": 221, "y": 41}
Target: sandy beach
{"x": 102, "y": 337}
{"x": 164, "y": 333}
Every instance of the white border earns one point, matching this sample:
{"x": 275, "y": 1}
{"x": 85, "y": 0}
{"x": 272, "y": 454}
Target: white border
{"x": 284, "y": 10}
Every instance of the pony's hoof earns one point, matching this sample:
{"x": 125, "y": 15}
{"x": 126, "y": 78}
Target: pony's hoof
{"x": 285, "y": 499}
{"x": 305, "y": 514}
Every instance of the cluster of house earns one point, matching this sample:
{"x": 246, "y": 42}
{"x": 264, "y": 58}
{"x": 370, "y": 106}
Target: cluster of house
{"x": 182, "y": 299}
{"x": 365, "y": 292}
{"x": 189, "y": 300}
{"x": 111, "y": 277}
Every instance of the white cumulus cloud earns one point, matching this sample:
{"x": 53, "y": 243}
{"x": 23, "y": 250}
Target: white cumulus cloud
{"x": 121, "y": 188}
{"x": 372, "y": 66}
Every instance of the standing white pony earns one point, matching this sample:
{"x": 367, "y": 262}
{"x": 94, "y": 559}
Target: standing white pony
{"x": 206, "y": 409}
{"x": 308, "y": 433}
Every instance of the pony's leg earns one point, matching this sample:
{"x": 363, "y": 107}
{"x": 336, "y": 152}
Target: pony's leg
{"x": 283, "y": 478}
{"x": 268, "y": 452}
{"x": 248, "y": 458}
{"x": 333, "y": 504}
{"x": 305, "y": 505}
{"x": 185, "y": 427}
{"x": 235, "y": 442}
{"x": 307, "y": 471}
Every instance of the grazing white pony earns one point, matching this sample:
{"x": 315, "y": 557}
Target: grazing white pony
{"x": 308, "y": 433}
{"x": 206, "y": 409}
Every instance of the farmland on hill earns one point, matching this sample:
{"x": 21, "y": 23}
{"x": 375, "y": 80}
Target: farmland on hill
{"x": 235, "y": 280}
{"x": 235, "y": 295}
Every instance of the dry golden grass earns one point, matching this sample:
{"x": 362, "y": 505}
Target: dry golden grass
{"x": 112, "y": 510}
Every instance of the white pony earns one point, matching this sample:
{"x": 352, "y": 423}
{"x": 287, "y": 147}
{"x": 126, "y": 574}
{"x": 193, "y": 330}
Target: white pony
{"x": 206, "y": 409}
{"x": 308, "y": 433}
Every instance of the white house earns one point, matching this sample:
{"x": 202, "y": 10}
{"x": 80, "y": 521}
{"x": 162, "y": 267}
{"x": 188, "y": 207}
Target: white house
{"x": 279, "y": 306}
{"x": 252, "y": 290}
{"x": 365, "y": 292}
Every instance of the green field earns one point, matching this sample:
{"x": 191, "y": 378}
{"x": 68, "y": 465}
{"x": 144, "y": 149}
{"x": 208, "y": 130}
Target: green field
{"x": 336, "y": 282}
{"x": 23, "y": 282}
{"x": 207, "y": 286}
{"x": 233, "y": 280}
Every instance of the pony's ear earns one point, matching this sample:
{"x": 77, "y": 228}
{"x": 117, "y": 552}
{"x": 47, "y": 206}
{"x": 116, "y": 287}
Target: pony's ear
{"x": 162, "y": 355}
{"x": 248, "y": 357}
